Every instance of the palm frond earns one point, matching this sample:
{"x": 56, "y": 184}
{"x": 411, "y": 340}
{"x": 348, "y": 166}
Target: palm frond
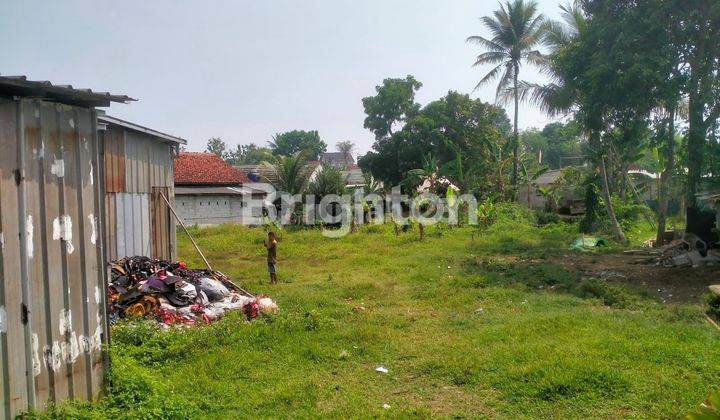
{"x": 495, "y": 27}
{"x": 488, "y": 44}
{"x": 492, "y": 74}
{"x": 505, "y": 85}
{"x": 490, "y": 57}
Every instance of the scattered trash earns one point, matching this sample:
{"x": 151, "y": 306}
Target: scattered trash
{"x": 386, "y": 406}
{"x": 608, "y": 274}
{"x": 584, "y": 242}
{"x": 343, "y": 354}
{"x": 381, "y": 369}
{"x": 687, "y": 252}
{"x": 174, "y": 295}
{"x": 479, "y": 311}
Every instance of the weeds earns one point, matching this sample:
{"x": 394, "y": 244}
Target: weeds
{"x": 467, "y": 327}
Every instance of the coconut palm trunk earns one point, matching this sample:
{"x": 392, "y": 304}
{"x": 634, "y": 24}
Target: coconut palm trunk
{"x": 615, "y": 226}
{"x": 516, "y": 138}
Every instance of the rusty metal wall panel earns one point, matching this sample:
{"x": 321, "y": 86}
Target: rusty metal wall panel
{"x": 70, "y": 222}
{"x": 51, "y": 303}
{"x": 110, "y": 226}
{"x": 130, "y": 222}
{"x": 132, "y": 213}
{"x": 162, "y": 226}
{"x": 12, "y": 331}
{"x": 148, "y": 163}
{"x": 114, "y": 158}
{"x": 93, "y": 286}
{"x": 52, "y": 253}
{"x": 37, "y": 244}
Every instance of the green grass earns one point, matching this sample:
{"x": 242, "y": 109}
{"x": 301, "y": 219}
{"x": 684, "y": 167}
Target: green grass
{"x": 466, "y": 325}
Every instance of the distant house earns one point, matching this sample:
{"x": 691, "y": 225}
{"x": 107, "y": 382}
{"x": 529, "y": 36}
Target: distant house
{"x": 354, "y": 177}
{"x": 338, "y": 160}
{"x": 264, "y": 174}
{"x": 352, "y": 173}
{"x": 531, "y": 196}
{"x": 208, "y": 190}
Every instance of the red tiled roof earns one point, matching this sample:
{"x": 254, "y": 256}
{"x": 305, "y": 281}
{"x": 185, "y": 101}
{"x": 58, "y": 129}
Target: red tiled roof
{"x": 193, "y": 168}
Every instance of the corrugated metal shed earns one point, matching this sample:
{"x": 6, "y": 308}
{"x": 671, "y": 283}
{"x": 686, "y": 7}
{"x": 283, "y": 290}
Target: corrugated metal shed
{"x": 52, "y": 300}
{"x": 54, "y": 173}
{"x": 138, "y": 169}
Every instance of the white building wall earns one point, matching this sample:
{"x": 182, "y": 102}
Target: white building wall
{"x": 207, "y": 210}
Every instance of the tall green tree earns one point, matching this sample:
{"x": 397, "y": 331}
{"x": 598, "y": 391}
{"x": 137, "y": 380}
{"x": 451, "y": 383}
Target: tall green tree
{"x": 517, "y": 30}
{"x": 386, "y": 111}
{"x": 217, "y": 146}
{"x": 249, "y": 154}
{"x": 700, "y": 46}
{"x": 450, "y": 128}
{"x": 557, "y": 144}
{"x": 393, "y": 104}
{"x": 293, "y": 142}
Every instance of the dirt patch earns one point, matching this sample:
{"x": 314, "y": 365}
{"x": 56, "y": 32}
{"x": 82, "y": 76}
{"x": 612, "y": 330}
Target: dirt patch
{"x": 676, "y": 285}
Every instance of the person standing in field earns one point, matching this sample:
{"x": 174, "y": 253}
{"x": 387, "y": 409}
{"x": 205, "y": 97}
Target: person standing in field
{"x": 271, "y": 245}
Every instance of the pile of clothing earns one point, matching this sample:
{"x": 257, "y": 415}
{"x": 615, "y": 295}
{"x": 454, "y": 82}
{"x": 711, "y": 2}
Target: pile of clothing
{"x": 174, "y": 295}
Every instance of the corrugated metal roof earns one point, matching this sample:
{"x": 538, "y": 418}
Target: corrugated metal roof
{"x": 710, "y": 196}
{"x": 354, "y": 177}
{"x": 127, "y": 124}
{"x": 548, "y": 177}
{"x": 337, "y": 159}
{"x": 66, "y": 94}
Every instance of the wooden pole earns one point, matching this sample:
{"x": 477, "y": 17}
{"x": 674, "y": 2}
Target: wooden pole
{"x": 197, "y": 248}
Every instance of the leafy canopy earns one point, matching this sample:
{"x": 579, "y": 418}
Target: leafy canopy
{"x": 292, "y": 142}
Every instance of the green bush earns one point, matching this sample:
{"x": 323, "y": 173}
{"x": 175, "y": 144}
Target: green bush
{"x": 515, "y": 213}
{"x": 546, "y": 218}
{"x": 611, "y": 295}
{"x": 713, "y": 303}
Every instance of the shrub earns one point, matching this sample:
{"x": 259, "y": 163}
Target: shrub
{"x": 713, "y": 302}
{"x": 545, "y": 218}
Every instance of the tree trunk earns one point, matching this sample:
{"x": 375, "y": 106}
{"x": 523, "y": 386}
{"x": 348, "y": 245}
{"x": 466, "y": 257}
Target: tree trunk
{"x": 695, "y": 147}
{"x": 622, "y": 188}
{"x": 617, "y": 232}
{"x": 516, "y": 137}
{"x": 669, "y": 153}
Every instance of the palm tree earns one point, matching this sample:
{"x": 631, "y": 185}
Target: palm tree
{"x": 346, "y": 148}
{"x": 289, "y": 173}
{"x": 555, "y": 98}
{"x": 517, "y": 28}
{"x": 328, "y": 181}
{"x": 558, "y": 98}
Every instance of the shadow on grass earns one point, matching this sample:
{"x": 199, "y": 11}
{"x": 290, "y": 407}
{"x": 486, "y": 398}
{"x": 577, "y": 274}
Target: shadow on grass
{"x": 483, "y": 272}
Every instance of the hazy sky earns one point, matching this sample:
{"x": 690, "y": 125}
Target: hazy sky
{"x": 245, "y": 70}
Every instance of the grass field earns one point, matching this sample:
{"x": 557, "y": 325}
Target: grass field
{"x": 468, "y": 324}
